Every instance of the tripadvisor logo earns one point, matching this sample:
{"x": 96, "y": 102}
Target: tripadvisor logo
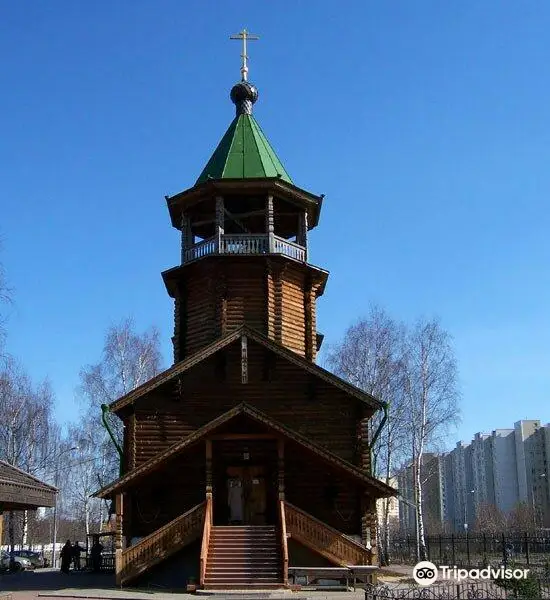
{"x": 426, "y": 573}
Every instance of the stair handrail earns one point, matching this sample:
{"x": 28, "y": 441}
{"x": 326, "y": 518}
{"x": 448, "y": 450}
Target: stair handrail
{"x": 129, "y": 565}
{"x": 284, "y": 540}
{"x": 207, "y": 530}
{"x": 347, "y": 550}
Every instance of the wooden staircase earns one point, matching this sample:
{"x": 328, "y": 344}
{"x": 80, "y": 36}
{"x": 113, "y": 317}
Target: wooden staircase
{"x": 323, "y": 539}
{"x": 247, "y": 556}
{"x": 160, "y": 545}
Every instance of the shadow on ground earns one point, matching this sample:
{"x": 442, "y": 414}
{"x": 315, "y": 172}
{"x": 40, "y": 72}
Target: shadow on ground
{"x": 50, "y": 579}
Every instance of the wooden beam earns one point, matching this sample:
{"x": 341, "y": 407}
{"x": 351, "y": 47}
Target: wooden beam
{"x": 220, "y": 215}
{"x": 269, "y": 223}
{"x": 244, "y": 359}
{"x": 119, "y": 540}
{"x": 281, "y": 470}
{"x": 186, "y": 235}
{"x": 302, "y": 230}
{"x": 208, "y": 467}
{"x": 368, "y": 525}
{"x": 278, "y": 274}
{"x": 308, "y": 320}
{"x": 237, "y": 221}
{"x": 1, "y": 526}
{"x": 244, "y": 436}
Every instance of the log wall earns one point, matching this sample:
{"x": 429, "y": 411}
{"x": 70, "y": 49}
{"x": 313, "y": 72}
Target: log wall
{"x": 176, "y": 488}
{"x": 217, "y": 295}
{"x": 318, "y": 410}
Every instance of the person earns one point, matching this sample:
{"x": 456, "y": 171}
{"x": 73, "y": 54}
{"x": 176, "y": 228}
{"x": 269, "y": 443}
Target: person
{"x": 77, "y": 549}
{"x": 66, "y": 556}
{"x": 95, "y": 552}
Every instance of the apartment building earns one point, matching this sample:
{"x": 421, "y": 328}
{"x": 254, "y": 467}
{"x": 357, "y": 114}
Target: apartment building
{"x": 500, "y": 469}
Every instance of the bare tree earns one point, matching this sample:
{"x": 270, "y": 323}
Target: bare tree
{"x": 82, "y": 478}
{"x": 371, "y": 356}
{"x": 5, "y": 299}
{"x": 28, "y": 431}
{"x": 432, "y": 401}
{"x": 129, "y": 359}
{"x": 521, "y": 518}
{"x": 489, "y": 519}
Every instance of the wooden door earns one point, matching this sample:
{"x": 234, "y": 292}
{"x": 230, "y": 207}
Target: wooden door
{"x": 255, "y": 496}
{"x": 247, "y": 494}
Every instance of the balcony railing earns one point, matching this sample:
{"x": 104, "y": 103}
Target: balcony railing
{"x": 249, "y": 244}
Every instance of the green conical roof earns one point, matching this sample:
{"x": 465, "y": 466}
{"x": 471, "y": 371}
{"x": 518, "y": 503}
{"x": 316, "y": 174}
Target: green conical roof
{"x": 243, "y": 152}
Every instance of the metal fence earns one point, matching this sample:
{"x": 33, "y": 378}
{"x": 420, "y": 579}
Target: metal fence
{"x": 480, "y": 590}
{"x": 466, "y": 550}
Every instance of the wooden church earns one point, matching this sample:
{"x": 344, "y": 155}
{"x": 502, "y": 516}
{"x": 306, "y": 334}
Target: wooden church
{"x": 245, "y": 459}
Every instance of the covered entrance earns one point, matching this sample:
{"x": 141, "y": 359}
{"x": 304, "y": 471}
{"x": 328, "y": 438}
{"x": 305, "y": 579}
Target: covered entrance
{"x": 247, "y": 495}
{"x": 245, "y": 480}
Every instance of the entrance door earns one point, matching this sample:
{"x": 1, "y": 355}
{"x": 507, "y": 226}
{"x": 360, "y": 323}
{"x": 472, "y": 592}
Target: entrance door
{"x": 246, "y": 495}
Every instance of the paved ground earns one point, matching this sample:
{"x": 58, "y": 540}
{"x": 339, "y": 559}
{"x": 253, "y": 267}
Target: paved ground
{"x": 49, "y": 583}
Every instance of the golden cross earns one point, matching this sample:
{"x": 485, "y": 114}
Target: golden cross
{"x": 244, "y": 36}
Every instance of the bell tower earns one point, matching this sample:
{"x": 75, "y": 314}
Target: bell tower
{"x": 244, "y": 243}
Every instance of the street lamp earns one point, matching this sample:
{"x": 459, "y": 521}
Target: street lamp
{"x": 56, "y": 483}
{"x": 465, "y": 511}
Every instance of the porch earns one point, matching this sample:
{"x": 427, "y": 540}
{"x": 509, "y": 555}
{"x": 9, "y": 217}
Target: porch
{"x": 259, "y": 488}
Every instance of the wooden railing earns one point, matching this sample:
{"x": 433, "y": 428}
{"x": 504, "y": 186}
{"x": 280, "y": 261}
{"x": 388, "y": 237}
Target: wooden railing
{"x": 206, "y": 538}
{"x": 284, "y": 540}
{"x": 329, "y": 542}
{"x": 161, "y": 544}
{"x": 246, "y": 243}
{"x": 282, "y": 246}
{"x": 201, "y": 249}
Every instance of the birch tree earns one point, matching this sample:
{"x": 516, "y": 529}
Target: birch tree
{"x": 371, "y": 357}
{"x": 82, "y": 478}
{"x": 431, "y": 392}
{"x": 28, "y": 431}
{"x": 128, "y": 360}
{"x": 5, "y": 299}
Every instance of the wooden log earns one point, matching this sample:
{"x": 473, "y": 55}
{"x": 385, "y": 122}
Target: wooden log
{"x": 119, "y": 543}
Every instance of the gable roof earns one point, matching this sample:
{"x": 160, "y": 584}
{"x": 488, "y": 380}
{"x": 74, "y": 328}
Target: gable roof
{"x": 243, "y": 152}
{"x": 21, "y": 490}
{"x": 252, "y": 412}
{"x": 211, "y": 349}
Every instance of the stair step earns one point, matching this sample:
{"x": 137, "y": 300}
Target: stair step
{"x": 244, "y": 556}
{"x": 243, "y": 572}
{"x": 238, "y": 542}
{"x": 247, "y": 527}
{"x": 244, "y": 535}
{"x": 249, "y": 586}
{"x": 272, "y": 566}
{"x": 240, "y": 578}
{"x": 239, "y": 552}
{"x": 255, "y": 560}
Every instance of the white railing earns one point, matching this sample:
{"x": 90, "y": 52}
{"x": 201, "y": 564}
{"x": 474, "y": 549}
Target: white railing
{"x": 281, "y": 246}
{"x": 246, "y": 243}
{"x": 201, "y": 249}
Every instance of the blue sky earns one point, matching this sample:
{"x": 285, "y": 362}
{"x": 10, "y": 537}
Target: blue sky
{"x": 426, "y": 124}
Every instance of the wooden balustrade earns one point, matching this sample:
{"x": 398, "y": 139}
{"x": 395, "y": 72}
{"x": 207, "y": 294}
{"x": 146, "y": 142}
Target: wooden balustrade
{"x": 282, "y": 246}
{"x": 161, "y": 544}
{"x": 329, "y": 542}
{"x": 246, "y": 243}
{"x": 208, "y": 520}
{"x": 284, "y": 540}
{"x": 204, "y": 248}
